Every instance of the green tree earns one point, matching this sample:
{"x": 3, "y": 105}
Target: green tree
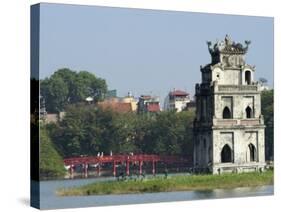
{"x": 87, "y": 84}
{"x": 87, "y": 130}
{"x": 124, "y": 133}
{"x": 143, "y": 133}
{"x": 186, "y": 119}
{"x": 50, "y": 162}
{"x": 267, "y": 109}
{"x": 166, "y": 133}
{"x": 55, "y": 91}
{"x": 66, "y": 87}
{"x": 72, "y": 136}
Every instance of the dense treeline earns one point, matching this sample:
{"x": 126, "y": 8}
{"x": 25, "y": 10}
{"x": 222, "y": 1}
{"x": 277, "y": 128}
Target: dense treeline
{"x": 267, "y": 109}
{"x": 51, "y": 164}
{"x": 66, "y": 87}
{"x": 87, "y": 130}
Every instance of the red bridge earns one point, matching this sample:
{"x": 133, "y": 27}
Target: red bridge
{"x": 120, "y": 159}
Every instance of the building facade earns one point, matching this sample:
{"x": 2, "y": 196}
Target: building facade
{"x": 148, "y": 104}
{"x": 176, "y": 100}
{"x": 130, "y": 99}
{"x": 119, "y": 104}
{"x": 229, "y": 127}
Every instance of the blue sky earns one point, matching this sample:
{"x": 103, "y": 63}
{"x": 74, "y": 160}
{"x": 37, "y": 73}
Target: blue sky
{"x": 145, "y": 51}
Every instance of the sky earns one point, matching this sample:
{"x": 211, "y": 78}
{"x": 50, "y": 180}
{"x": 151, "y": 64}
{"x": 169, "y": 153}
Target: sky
{"x": 145, "y": 51}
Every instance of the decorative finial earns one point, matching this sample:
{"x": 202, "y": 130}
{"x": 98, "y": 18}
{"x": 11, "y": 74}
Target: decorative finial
{"x": 227, "y": 40}
{"x": 209, "y": 43}
{"x": 247, "y": 42}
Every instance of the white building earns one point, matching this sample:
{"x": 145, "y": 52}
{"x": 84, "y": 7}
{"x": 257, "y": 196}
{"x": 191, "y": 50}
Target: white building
{"x": 176, "y": 100}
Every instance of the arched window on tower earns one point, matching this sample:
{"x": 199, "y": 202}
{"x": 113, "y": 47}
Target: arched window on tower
{"x": 249, "y": 112}
{"x": 252, "y": 153}
{"x": 226, "y": 154}
{"x": 226, "y": 114}
{"x": 248, "y": 77}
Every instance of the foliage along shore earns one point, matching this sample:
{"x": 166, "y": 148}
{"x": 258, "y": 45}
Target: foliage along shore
{"x": 173, "y": 183}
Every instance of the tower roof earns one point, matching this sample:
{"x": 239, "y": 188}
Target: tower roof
{"x": 227, "y": 46}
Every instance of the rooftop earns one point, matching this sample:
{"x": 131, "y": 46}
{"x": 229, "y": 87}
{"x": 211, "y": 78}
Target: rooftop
{"x": 120, "y": 107}
{"x": 145, "y": 97}
{"x": 153, "y": 107}
{"x": 149, "y": 98}
{"x": 178, "y": 93}
{"x": 227, "y": 46}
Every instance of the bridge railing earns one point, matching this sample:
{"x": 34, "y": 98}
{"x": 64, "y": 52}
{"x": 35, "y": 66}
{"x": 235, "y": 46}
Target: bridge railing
{"x": 139, "y": 159}
{"x": 121, "y": 158}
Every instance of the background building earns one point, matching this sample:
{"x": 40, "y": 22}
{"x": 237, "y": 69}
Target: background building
{"x": 191, "y": 106}
{"x": 119, "y": 104}
{"x": 148, "y": 104}
{"x": 130, "y": 99}
{"x": 176, "y": 100}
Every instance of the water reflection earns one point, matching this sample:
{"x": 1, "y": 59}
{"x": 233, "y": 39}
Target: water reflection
{"x": 49, "y": 200}
{"x": 235, "y": 192}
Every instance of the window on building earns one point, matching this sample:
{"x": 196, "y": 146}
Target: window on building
{"x": 226, "y": 154}
{"x": 249, "y": 112}
{"x": 252, "y": 152}
{"x": 248, "y": 77}
{"x": 226, "y": 113}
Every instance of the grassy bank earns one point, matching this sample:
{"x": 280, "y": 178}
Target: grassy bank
{"x": 173, "y": 183}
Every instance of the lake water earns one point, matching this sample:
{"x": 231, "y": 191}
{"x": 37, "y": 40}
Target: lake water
{"x": 49, "y": 200}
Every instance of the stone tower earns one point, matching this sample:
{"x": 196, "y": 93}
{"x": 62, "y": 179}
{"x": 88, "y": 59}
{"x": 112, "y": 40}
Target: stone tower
{"x": 228, "y": 128}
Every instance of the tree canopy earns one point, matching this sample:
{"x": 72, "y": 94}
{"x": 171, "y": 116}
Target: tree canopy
{"x": 50, "y": 162}
{"x": 66, "y": 87}
{"x": 87, "y": 130}
{"x": 267, "y": 109}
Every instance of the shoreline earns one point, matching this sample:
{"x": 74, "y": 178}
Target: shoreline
{"x": 172, "y": 183}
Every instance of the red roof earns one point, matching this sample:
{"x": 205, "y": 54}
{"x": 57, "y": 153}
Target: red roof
{"x": 119, "y": 107}
{"x": 178, "y": 93}
{"x": 153, "y": 107}
{"x": 145, "y": 97}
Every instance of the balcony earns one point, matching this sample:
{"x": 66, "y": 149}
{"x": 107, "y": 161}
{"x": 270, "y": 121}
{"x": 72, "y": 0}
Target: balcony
{"x": 225, "y": 122}
{"x": 250, "y": 122}
{"x": 237, "y": 122}
{"x": 235, "y": 88}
